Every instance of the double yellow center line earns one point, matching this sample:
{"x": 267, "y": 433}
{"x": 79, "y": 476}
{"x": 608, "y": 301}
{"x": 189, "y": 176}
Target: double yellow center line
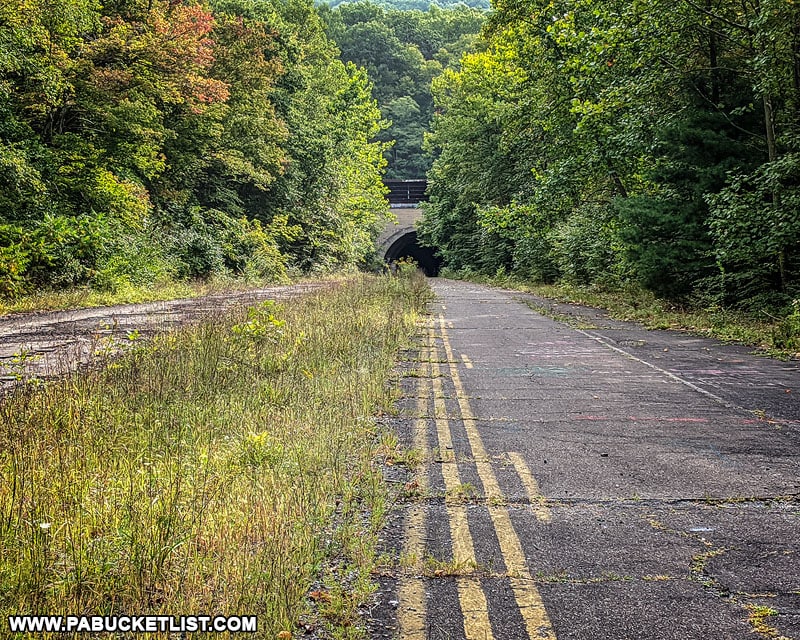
{"x": 472, "y": 600}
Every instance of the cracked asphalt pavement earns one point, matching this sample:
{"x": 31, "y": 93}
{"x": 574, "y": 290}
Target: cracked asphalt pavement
{"x": 47, "y": 344}
{"x": 590, "y": 483}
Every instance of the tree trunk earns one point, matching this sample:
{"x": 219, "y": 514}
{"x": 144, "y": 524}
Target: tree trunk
{"x": 769, "y": 123}
{"x": 713, "y": 60}
{"x": 772, "y": 151}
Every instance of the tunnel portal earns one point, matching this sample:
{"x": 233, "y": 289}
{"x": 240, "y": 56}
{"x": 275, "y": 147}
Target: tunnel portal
{"x": 407, "y": 246}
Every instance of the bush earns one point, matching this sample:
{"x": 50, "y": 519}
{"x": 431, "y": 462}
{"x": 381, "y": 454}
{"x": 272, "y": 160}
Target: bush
{"x": 133, "y": 259}
{"x": 211, "y": 242}
{"x": 533, "y": 258}
{"x": 65, "y": 250}
{"x": 250, "y": 250}
{"x": 13, "y": 263}
{"x": 786, "y": 334}
{"x": 583, "y": 247}
{"x": 57, "y": 251}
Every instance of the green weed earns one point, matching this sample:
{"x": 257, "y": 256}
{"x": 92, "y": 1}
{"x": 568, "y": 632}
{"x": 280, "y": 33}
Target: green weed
{"x": 217, "y": 471}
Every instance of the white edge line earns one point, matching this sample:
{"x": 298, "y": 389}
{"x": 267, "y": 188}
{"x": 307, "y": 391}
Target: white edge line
{"x": 604, "y": 341}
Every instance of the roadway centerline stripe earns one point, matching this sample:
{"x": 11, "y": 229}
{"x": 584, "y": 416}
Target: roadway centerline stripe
{"x": 471, "y": 599}
{"x": 540, "y": 509}
{"x": 411, "y": 589}
{"x": 411, "y": 612}
{"x": 446, "y": 453}
{"x": 529, "y": 601}
{"x": 420, "y": 424}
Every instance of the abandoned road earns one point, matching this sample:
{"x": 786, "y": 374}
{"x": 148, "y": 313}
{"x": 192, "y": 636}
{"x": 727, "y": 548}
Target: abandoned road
{"x": 47, "y": 344}
{"x": 590, "y": 483}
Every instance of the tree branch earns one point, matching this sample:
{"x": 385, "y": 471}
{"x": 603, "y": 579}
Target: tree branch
{"x": 713, "y": 15}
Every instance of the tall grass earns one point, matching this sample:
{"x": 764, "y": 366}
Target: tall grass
{"x": 213, "y": 472}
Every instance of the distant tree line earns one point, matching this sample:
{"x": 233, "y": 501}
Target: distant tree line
{"x": 402, "y": 52}
{"x": 417, "y": 5}
{"x": 146, "y": 139}
{"x": 607, "y": 141}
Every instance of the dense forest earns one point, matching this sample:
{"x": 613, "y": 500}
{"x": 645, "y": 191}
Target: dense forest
{"x": 402, "y": 52}
{"x": 607, "y": 142}
{"x": 147, "y": 139}
{"x": 596, "y": 143}
{"x": 416, "y": 5}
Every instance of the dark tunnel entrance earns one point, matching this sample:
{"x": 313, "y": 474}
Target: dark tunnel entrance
{"x": 407, "y": 246}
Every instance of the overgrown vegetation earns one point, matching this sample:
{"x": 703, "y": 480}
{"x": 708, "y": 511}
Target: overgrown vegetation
{"x": 146, "y": 141}
{"x": 617, "y": 144}
{"x": 227, "y": 468}
{"x": 416, "y": 5}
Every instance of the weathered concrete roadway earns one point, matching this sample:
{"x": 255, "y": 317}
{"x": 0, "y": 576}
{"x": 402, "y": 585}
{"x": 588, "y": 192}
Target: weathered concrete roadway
{"x": 596, "y": 483}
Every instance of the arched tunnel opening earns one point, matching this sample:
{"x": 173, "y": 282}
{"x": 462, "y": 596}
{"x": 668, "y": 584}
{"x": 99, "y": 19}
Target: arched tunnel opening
{"x": 407, "y": 246}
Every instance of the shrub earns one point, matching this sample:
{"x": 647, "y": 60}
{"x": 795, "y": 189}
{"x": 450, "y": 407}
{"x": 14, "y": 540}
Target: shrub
{"x": 583, "y": 246}
{"x": 786, "y": 334}
{"x": 13, "y": 262}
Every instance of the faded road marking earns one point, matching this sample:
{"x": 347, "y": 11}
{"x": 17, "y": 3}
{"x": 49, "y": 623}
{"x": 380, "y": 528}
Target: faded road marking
{"x": 540, "y": 510}
{"x": 604, "y": 341}
{"x": 474, "y": 608}
{"x": 466, "y": 360}
{"x": 529, "y": 600}
{"x": 411, "y": 590}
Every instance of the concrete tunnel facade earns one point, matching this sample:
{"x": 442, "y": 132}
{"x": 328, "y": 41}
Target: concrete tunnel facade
{"x": 399, "y": 240}
{"x": 407, "y": 246}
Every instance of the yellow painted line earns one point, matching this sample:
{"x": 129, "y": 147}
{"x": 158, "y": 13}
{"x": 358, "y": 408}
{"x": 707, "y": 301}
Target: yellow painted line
{"x": 420, "y": 423}
{"x": 467, "y": 361}
{"x": 410, "y": 589}
{"x": 529, "y": 600}
{"x": 411, "y": 611}
{"x": 533, "y": 612}
{"x": 446, "y": 453}
{"x": 471, "y": 599}
{"x": 540, "y": 509}
{"x": 474, "y": 609}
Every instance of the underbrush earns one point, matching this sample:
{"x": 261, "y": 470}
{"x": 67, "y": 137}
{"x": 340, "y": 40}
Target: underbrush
{"x": 225, "y": 469}
{"x": 778, "y": 336}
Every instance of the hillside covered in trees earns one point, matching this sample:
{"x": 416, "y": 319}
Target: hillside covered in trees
{"x": 402, "y": 52}
{"x": 147, "y": 139}
{"x": 606, "y": 142}
{"x": 416, "y": 5}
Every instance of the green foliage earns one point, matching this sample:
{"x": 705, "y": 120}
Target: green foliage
{"x": 207, "y": 471}
{"x": 13, "y": 262}
{"x": 402, "y": 51}
{"x": 586, "y": 247}
{"x": 786, "y": 334}
{"x": 417, "y": 5}
{"x": 755, "y": 222}
{"x": 611, "y": 142}
{"x": 143, "y": 141}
